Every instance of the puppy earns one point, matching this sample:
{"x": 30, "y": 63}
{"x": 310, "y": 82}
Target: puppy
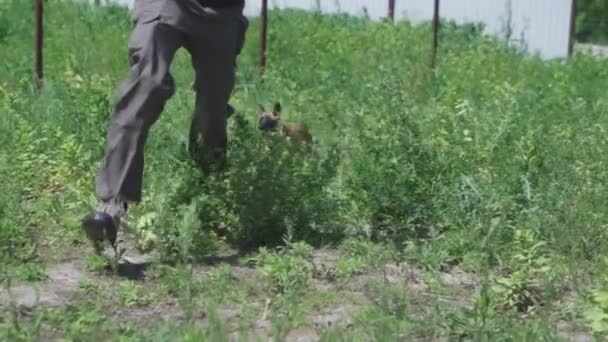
{"x": 269, "y": 121}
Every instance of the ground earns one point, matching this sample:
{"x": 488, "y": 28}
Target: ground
{"x": 141, "y": 291}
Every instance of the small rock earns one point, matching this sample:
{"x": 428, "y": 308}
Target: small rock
{"x": 228, "y": 314}
{"x": 303, "y": 334}
{"x": 25, "y": 297}
{"x": 263, "y": 324}
{"x": 458, "y": 277}
{"x": 565, "y": 332}
{"x": 325, "y": 257}
{"x": 339, "y": 316}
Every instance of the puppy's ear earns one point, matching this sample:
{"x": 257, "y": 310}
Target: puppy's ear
{"x": 277, "y": 108}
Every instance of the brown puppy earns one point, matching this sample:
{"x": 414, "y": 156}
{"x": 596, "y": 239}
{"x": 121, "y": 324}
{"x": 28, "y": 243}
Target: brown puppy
{"x": 269, "y": 121}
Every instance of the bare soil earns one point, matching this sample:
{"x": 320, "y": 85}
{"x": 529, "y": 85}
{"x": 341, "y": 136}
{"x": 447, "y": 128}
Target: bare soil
{"x": 62, "y": 288}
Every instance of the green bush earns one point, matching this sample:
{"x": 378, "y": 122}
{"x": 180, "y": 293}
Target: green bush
{"x": 591, "y": 22}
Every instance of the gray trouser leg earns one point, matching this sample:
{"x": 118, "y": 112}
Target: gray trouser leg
{"x": 214, "y": 39}
{"x": 142, "y": 97}
{"x": 213, "y": 46}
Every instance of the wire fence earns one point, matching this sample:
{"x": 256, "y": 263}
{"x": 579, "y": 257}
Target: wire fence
{"x": 546, "y": 27}
{"x": 38, "y": 45}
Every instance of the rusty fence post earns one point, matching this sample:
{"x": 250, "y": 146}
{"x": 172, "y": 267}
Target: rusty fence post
{"x": 38, "y": 42}
{"x": 391, "y": 10}
{"x": 572, "y": 36}
{"x": 263, "y": 35}
{"x": 435, "y": 33}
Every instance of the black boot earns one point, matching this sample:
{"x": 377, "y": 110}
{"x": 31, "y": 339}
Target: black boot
{"x": 229, "y": 110}
{"x": 103, "y": 224}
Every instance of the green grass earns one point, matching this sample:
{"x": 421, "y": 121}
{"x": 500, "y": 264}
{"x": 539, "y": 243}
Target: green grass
{"x": 494, "y": 163}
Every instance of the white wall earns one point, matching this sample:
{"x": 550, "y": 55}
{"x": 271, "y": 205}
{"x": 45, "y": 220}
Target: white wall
{"x": 542, "y": 24}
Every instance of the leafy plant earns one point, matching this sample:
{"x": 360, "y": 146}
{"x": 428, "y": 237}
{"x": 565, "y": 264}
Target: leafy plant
{"x": 131, "y": 294}
{"x": 596, "y": 313}
{"x": 288, "y": 269}
{"x": 32, "y": 272}
{"x": 96, "y": 263}
{"x": 523, "y": 288}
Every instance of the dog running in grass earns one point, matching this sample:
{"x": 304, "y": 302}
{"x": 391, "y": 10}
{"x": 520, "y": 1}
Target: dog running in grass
{"x": 270, "y": 121}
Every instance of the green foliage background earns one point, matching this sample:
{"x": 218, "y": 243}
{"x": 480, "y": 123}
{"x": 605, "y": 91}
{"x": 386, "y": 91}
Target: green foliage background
{"x": 592, "y": 21}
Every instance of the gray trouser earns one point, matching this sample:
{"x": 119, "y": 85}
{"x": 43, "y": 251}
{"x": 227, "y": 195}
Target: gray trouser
{"x": 214, "y": 38}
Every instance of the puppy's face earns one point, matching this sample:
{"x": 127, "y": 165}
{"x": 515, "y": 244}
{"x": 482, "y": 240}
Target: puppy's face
{"x": 269, "y": 121}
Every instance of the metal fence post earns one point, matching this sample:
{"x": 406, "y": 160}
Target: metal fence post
{"x": 391, "y": 10}
{"x": 38, "y": 43}
{"x": 263, "y": 34}
{"x": 435, "y": 33}
{"x": 572, "y": 37}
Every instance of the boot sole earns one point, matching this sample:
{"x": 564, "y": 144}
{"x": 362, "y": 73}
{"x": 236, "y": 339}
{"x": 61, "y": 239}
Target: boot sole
{"x": 98, "y": 226}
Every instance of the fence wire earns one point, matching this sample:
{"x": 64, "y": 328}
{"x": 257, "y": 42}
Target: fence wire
{"x": 539, "y": 26}
{"x": 543, "y": 27}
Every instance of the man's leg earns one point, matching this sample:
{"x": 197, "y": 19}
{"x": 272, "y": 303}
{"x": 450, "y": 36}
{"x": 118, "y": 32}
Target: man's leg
{"x": 214, "y": 47}
{"x": 152, "y": 47}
